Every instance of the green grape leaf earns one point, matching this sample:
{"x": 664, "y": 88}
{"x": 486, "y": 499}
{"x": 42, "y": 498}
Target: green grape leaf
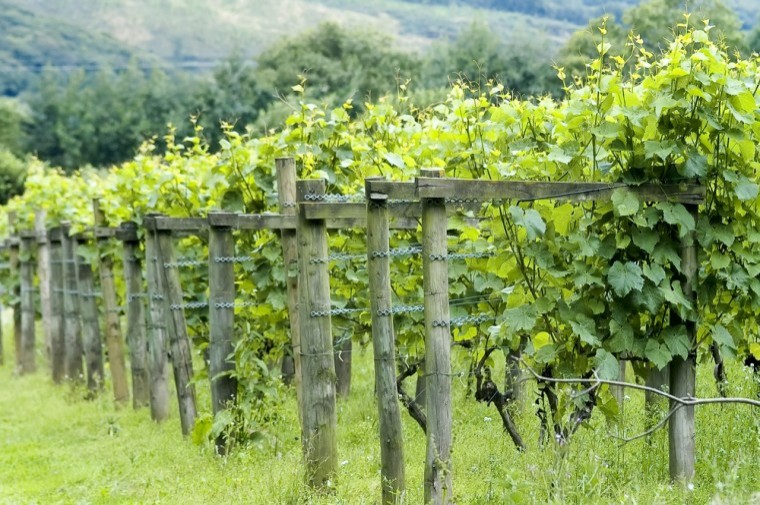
{"x": 622, "y": 336}
{"x": 625, "y": 277}
{"x": 723, "y": 337}
{"x": 677, "y": 214}
{"x": 624, "y": 202}
{"x": 606, "y": 365}
{"x": 746, "y": 190}
{"x": 695, "y": 166}
{"x": 657, "y": 354}
{"x": 677, "y": 340}
{"x": 522, "y": 318}
{"x": 585, "y": 328}
{"x": 530, "y": 220}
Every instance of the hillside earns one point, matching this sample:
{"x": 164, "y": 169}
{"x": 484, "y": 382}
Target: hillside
{"x": 29, "y": 43}
{"x": 196, "y": 35}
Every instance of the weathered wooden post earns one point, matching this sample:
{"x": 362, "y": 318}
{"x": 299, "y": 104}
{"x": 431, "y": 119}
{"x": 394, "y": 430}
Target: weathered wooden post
{"x": 179, "y": 341}
{"x": 383, "y": 343}
{"x": 438, "y": 482}
{"x": 157, "y": 317}
{"x": 88, "y": 309}
{"x": 15, "y": 286}
{"x": 319, "y": 416}
{"x": 343, "y": 347}
{"x": 221, "y": 309}
{"x": 26, "y": 277}
{"x": 618, "y": 392}
{"x": 43, "y": 274}
{"x": 57, "y": 325}
{"x": 286, "y": 194}
{"x": 114, "y": 340}
{"x": 72, "y": 327}
{"x": 136, "y": 339}
{"x": 658, "y": 379}
{"x": 681, "y": 429}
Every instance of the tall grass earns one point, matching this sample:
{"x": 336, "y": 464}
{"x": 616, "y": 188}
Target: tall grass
{"x": 56, "y": 447}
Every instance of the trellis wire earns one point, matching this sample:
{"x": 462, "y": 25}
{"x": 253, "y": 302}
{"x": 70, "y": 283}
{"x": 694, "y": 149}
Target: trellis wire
{"x": 185, "y": 262}
{"x": 189, "y": 305}
{"x": 234, "y": 259}
{"x": 332, "y": 197}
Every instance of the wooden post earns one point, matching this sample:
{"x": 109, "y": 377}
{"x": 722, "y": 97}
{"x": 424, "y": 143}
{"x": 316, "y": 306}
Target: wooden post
{"x": 114, "y": 340}
{"x": 72, "y": 327}
{"x": 221, "y": 310}
{"x": 13, "y": 265}
{"x": 26, "y": 277}
{"x": 57, "y": 325}
{"x": 136, "y": 339}
{"x": 43, "y": 274}
{"x": 286, "y": 194}
{"x": 342, "y": 346}
{"x": 618, "y": 392}
{"x": 658, "y": 379}
{"x": 384, "y": 346}
{"x": 159, "y": 384}
{"x": 438, "y": 483}
{"x": 179, "y": 341}
{"x": 681, "y": 429}
{"x": 317, "y": 366}
{"x": 88, "y": 309}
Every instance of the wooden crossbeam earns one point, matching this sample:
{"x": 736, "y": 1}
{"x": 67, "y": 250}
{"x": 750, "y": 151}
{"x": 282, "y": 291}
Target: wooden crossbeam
{"x": 523, "y": 191}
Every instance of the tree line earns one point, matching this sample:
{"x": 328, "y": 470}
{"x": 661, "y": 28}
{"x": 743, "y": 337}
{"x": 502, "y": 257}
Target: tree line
{"x": 99, "y": 118}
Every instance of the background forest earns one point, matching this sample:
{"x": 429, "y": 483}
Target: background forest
{"x": 84, "y": 84}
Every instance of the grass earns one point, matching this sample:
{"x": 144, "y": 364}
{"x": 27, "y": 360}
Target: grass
{"x": 58, "y": 448}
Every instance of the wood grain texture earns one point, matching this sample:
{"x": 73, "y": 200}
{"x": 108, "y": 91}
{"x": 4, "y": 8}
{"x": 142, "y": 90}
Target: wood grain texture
{"x": 43, "y": 276}
{"x": 57, "y": 336}
{"x": 317, "y": 366}
{"x": 438, "y": 481}
{"x": 135, "y": 332}
{"x": 522, "y": 191}
{"x": 683, "y": 371}
{"x": 71, "y": 322}
{"x": 392, "y": 472}
{"x": 221, "y": 318}
{"x": 88, "y": 311}
{"x": 26, "y": 278}
{"x": 285, "y": 169}
{"x": 114, "y": 338}
{"x": 157, "y": 334}
{"x": 179, "y": 340}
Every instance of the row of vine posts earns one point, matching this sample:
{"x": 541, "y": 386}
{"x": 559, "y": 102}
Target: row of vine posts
{"x": 157, "y": 333}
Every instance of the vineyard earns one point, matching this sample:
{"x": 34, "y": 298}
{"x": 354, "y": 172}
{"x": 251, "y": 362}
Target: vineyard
{"x": 563, "y": 264}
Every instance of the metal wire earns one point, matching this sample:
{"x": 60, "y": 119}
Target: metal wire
{"x": 189, "y": 305}
{"x": 331, "y": 197}
{"x": 233, "y": 259}
{"x": 400, "y": 251}
{"x": 184, "y": 262}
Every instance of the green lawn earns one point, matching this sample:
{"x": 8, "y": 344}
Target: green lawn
{"x": 57, "y": 448}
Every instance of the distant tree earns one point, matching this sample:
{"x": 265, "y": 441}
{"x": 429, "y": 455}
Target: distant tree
{"x": 479, "y": 55}
{"x": 582, "y": 48}
{"x": 753, "y": 39}
{"x": 656, "y": 20}
{"x": 338, "y": 64}
{"x": 100, "y": 120}
{"x": 233, "y": 95}
{"x": 12, "y": 166}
